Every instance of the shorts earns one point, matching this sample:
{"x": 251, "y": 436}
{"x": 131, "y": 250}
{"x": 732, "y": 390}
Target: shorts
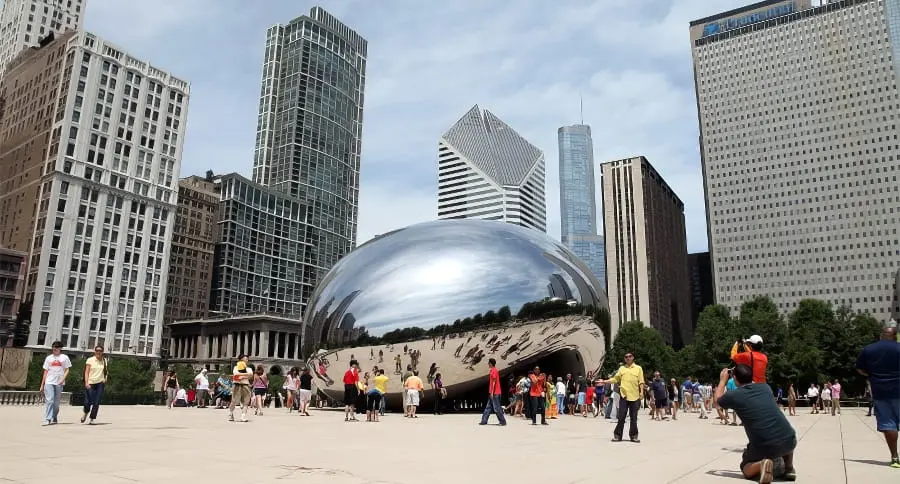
{"x": 887, "y": 414}
{"x": 662, "y": 402}
{"x": 812, "y": 401}
{"x": 412, "y": 397}
{"x": 753, "y": 453}
{"x": 581, "y": 396}
{"x": 374, "y": 402}
{"x": 350, "y": 394}
{"x": 240, "y": 394}
{"x": 259, "y": 392}
{"x": 305, "y": 396}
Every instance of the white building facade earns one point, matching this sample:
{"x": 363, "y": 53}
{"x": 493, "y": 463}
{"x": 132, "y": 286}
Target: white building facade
{"x": 107, "y": 204}
{"x": 488, "y": 171}
{"x": 798, "y": 119}
{"x": 24, "y": 22}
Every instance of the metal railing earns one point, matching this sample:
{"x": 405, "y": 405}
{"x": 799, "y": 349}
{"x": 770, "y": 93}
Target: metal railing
{"x": 12, "y": 397}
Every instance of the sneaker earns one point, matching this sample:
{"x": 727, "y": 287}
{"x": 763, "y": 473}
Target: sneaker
{"x": 789, "y": 475}
{"x": 895, "y": 463}
{"x": 231, "y": 417}
{"x": 91, "y": 422}
{"x": 766, "y": 466}
{"x": 45, "y": 423}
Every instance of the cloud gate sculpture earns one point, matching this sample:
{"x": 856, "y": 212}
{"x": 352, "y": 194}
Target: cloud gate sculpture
{"x": 446, "y": 296}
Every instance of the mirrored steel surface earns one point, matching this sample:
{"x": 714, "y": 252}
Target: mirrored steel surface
{"x": 436, "y": 273}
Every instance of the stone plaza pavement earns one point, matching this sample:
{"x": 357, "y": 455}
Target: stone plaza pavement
{"x": 152, "y": 444}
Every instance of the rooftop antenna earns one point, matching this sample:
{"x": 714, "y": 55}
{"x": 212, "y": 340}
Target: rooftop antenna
{"x": 581, "y": 107}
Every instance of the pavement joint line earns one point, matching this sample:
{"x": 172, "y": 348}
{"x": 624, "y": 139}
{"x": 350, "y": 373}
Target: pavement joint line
{"x": 843, "y": 449}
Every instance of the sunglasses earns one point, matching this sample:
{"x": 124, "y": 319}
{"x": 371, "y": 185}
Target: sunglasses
{"x": 98, "y": 351}
{"x": 629, "y": 356}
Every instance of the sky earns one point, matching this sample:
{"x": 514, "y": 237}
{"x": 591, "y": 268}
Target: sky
{"x": 527, "y": 61}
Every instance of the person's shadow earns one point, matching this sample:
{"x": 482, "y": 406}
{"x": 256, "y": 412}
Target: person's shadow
{"x": 731, "y": 474}
{"x": 879, "y": 463}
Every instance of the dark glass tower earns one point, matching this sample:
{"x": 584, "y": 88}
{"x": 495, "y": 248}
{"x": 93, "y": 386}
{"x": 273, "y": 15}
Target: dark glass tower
{"x": 310, "y": 125}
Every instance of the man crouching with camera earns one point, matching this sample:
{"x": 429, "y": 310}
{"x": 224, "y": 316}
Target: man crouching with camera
{"x": 771, "y": 438}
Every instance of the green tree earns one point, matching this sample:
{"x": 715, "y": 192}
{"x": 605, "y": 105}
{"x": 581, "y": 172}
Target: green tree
{"x": 716, "y": 332}
{"x": 649, "y": 349}
{"x": 804, "y": 352}
{"x": 504, "y": 314}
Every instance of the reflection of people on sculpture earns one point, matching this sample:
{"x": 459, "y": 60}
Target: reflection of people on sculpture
{"x": 475, "y": 360}
{"x": 458, "y": 350}
{"x": 470, "y": 353}
{"x": 509, "y": 351}
{"x": 398, "y": 367}
{"x": 381, "y": 356}
{"x": 431, "y": 371}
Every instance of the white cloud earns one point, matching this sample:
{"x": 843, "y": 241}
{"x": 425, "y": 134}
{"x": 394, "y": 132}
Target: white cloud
{"x": 527, "y": 61}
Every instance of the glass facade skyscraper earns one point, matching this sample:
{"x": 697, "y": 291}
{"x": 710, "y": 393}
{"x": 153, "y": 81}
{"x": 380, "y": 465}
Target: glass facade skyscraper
{"x": 577, "y": 198}
{"x": 310, "y": 125}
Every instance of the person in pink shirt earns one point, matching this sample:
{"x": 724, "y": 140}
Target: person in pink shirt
{"x": 835, "y": 398}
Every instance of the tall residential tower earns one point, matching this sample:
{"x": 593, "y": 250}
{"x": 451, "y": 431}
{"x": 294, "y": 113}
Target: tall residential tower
{"x": 800, "y": 151}
{"x": 577, "y": 199}
{"x": 643, "y": 223}
{"x": 23, "y": 23}
{"x": 102, "y": 131}
{"x": 488, "y": 171}
{"x": 310, "y": 126}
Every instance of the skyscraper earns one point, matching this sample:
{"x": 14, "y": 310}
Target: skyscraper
{"x": 193, "y": 248}
{"x": 643, "y": 221}
{"x": 104, "y": 130}
{"x": 577, "y": 198}
{"x": 23, "y": 23}
{"x": 488, "y": 171}
{"x": 800, "y": 177}
{"x": 310, "y": 125}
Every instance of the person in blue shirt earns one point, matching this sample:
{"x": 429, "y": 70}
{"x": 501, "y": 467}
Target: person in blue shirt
{"x": 686, "y": 391}
{"x": 880, "y": 362}
{"x": 730, "y": 386}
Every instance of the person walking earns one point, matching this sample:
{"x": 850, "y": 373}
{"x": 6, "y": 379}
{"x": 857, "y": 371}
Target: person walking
{"x": 202, "y": 384}
{"x": 56, "y": 370}
{"x": 305, "y": 392}
{"x": 291, "y": 385}
{"x": 240, "y": 390}
{"x": 792, "y": 400}
{"x": 880, "y": 362}
{"x": 536, "y": 392}
{"x": 171, "y": 386}
{"x": 494, "y": 392}
{"x": 630, "y": 378}
{"x": 813, "y": 395}
{"x": 414, "y": 387}
{"x": 260, "y": 388}
{"x": 351, "y": 391}
{"x": 95, "y": 377}
{"x": 660, "y": 397}
{"x": 438, "y": 385}
{"x": 836, "y": 397}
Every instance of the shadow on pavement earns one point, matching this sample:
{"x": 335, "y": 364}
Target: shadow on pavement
{"x": 732, "y": 474}
{"x": 879, "y": 463}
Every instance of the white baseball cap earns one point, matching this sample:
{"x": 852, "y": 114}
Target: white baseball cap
{"x": 755, "y": 339}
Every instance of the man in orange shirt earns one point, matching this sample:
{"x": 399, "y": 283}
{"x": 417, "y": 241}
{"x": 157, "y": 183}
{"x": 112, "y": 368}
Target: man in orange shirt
{"x": 751, "y": 355}
{"x": 538, "y": 382}
{"x": 494, "y": 392}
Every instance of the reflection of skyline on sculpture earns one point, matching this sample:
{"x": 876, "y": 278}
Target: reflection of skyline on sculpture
{"x": 437, "y": 272}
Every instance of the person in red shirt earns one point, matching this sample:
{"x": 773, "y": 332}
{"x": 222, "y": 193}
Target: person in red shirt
{"x": 351, "y": 391}
{"x": 538, "y": 397}
{"x": 751, "y": 355}
{"x": 493, "y": 403}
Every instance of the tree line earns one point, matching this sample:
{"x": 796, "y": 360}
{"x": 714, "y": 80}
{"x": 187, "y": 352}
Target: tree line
{"x": 814, "y": 344}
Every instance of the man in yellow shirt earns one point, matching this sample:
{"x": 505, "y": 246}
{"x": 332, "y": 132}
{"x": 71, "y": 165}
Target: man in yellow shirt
{"x": 630, "y": 379}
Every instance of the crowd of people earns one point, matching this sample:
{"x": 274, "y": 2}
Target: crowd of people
{"x": 741, "y": 397}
